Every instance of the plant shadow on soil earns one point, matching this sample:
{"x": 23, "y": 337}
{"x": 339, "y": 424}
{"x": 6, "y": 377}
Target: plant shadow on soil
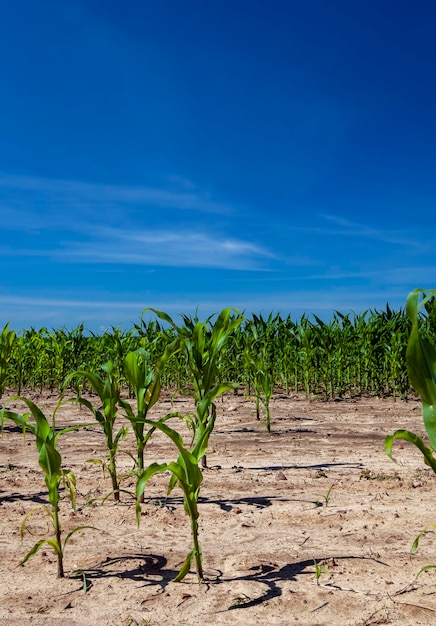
{"x": 37, "y": 498}
{"x": 261, "y": 502}
{"x": 271, "y": 577}
{"x": 151, "y": 572}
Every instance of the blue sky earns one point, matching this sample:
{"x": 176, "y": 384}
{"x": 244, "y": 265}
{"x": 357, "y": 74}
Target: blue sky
{"x": 271, "y": 156}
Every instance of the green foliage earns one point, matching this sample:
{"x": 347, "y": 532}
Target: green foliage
{"x": 145, "y": 381}
{"x": 421, "y": 363}
{"x": 204, "y": 343}
{"x": 7, "y": 339}
{"x": 351, "y": 354}
{"x": 421, "y": 367}
{"x": 319, "y": 569}
{"x": 260, "y": 361}
{"x": 50, "y": 462}
{"x": 188, "y": 476}
{"x": 108, "y": 391}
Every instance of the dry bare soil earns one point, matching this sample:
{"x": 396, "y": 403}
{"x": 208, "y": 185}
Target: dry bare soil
{"x": 320, "y": 487}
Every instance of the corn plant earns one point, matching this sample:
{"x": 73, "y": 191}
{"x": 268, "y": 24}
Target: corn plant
{"x": 264, "y": 383}
{"x": 50, "y": 462}
{"x": 421, "y": 365}
{"x": 108, "y": 391}
{"x": 319, "y": 570}
{"x": 145, "y": 381}
{"x": 7, "y": 339}
{"x": 203, "y": 344}
{"x": 186, "y": 474}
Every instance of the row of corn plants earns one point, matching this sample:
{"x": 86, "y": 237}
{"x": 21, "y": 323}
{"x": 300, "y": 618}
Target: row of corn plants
{"x": 352, "y": 354}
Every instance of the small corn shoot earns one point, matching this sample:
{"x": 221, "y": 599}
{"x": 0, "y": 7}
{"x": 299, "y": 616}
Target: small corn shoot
{"x": 108, "y": 391}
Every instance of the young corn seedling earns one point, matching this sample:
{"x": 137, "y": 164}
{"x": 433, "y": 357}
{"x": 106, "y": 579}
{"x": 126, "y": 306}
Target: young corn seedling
{"x": 55, "y": 476}
{"x": 108, "y": 391}
{"x": 421, "y": 366}
{"x": 146, "y": 384}
{"x": 319, "y": 569}
{"x": 326, "y": 497}
{"x": 203, "y": 343}
{"x": 187, "y": 475}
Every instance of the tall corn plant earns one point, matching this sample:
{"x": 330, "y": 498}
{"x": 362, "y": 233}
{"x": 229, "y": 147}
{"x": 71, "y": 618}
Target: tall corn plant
{"x": 203, "y": 344}
{"x": 55, "y": 476}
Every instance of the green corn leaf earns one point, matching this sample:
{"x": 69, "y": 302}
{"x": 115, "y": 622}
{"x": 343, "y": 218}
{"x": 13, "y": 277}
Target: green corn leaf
{"x": 415, "y": 544}
{"x": 70, "y": 481}
{"x": 150, "y": 471}
{"x": 43, "y": 431}
{"x": 212, "y": 394}
{"x": 128, "y": 409}
{"x": 161, "y": 315}
{"x": 95, "y": 461}
{"x": 153, "y": 391}
{"x": 76, "y": 530}
{"x": 184, "y": 570}
{"x": 421, "y": 363}
{"x": 121, "y": 434}
{"x": 179, "y": 476}
{"x": 96, "y": 382}
{"x": 170, "y": 432}
{"x": 38, "y": 545}
{"x": 425, "y": 569}
{"x": 406, "y": 435}
{"x": 50, "y": 460}
{"x": 132, "y": 369}
{"x": 20, "y": 420}
{"x": 28, "y": 514}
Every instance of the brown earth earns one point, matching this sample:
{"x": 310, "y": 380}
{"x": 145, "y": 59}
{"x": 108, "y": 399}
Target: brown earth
{"x": 265, "y": 516}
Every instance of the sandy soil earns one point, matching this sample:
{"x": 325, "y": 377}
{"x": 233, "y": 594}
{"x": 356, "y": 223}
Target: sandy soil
{"x": 265, "y": 515}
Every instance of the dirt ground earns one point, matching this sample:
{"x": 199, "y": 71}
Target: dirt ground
{"x": 319, "y": 488}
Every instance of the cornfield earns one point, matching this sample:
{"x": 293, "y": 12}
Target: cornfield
{"x": 351, "y": 355}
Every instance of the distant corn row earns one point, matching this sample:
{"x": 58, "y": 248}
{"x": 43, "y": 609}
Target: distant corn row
{"x": 352, "y": 354}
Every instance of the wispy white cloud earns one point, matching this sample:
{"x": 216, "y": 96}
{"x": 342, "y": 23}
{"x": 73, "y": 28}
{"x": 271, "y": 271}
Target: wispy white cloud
{"x": 45, "y": 203}
{"x": 167, "y": 248}
{"x": 410, "y": 238}
{"x": 349, "y": 228}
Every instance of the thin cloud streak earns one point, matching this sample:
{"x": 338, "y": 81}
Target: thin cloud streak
{"x": 54, "y": 197}
{"x": 353, "y": 229}
{"x": 167, "y": 248}
{"x": 362, "y": 232}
